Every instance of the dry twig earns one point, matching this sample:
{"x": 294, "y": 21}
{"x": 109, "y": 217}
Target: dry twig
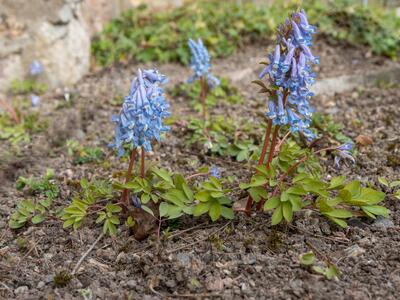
{"x": 78, "y": 264}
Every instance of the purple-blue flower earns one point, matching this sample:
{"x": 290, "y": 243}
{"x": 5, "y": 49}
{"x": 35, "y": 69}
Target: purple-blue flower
{"x": 141, "y": 118}
{"x": 36, "y": 68}
{"x": 344, "y": 152}
{"x": 215, "y": 172}
{"x": 136, "y": 201}
{"x": 290, "y": 71}
{"x": 200, "y": 62}
{"x": 35, "y": 100}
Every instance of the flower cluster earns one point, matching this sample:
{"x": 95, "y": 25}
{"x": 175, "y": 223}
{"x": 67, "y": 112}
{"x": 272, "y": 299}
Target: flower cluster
{"x": 344, "y": 152}
{"x": 200, "y": 63}
{"x": 215, "y": 172}
{"x": 290, "y": 72}
{"x": 35, "y": 68}
{"x": 141, "y": 118}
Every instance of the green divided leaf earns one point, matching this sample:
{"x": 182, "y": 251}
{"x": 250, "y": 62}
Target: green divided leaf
{"x": 272, "y": 203}
{"x": 38, "y": 219}
{"x": 383, "y": 181}
{"x": 337, "y": 182}
{"x": 375, "y": 210}
{"x": 287, "y": 211}
{"x": 277, "y": 216}
{"x": 214, "y": 211}
{"x": 201, "y": 208}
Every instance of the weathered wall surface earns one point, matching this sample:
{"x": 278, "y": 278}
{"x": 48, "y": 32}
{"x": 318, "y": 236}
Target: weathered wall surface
{"x": 55, "y": 32}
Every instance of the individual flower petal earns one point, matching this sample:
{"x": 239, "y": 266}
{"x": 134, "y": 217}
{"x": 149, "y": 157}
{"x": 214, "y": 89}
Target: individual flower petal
{"x": 271, "y": 114}
{"x": 136, "y": 201}
{"x": 346, "y": 147}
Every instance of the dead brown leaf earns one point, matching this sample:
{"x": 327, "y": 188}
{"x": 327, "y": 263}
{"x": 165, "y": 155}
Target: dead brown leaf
{"x": 364, "y": 140}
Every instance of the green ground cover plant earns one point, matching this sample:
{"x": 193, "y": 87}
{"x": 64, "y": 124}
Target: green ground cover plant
{"x": 225, "y": 26}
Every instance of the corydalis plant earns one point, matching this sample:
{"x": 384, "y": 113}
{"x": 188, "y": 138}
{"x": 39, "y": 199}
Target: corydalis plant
{"x": 288, "y": 75}
{"x": 200, "y": 62}
{"x": 140, "y": 120}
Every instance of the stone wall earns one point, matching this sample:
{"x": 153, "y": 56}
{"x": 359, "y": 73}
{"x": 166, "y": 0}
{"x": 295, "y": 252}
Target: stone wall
{"x": 57, "y": 33}
{"x": 53, "y": 32}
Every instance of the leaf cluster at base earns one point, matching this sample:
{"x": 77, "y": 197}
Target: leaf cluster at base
{"x": 170, "y": 193}
{"x": 293, "y": 182}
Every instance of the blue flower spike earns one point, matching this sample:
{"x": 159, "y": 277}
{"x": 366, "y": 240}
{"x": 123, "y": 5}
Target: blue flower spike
{"x": 140, "y": 120}
{"x": 290, "y": 71}
{"x": 200, "y": 63}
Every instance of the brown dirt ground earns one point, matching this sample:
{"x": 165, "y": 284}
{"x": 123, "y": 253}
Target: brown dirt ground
{"x": 242, "y": 259}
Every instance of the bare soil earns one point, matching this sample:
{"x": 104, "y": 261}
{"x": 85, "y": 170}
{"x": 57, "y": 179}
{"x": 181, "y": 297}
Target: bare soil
{"x": 241, "y": 259}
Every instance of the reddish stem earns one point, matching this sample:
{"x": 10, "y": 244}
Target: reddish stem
{"x": 11, "y": 111}
{"x": 125, "y": 192}
{"x": 249, "y": 203}
{"x": 203, "y": 94}
{"x": 142, "y": 163}
{"x": 273, "y": 144}
{"x": 266, "y": 143}
{"x": 270, "y": 156}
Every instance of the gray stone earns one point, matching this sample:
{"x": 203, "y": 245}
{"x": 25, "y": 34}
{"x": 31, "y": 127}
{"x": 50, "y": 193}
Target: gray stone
{"x": 170, "y": 283}
{"x": 340, "y": 84}
{"x": 57, "y": 33}
{"x": 41, "y": 284}
{"x": 183, "y": 259}
{"x": 53, "y": 32}
{"x": 382, "y": 222}
{"x": 21, "y": 290}
{"x": 131, "y": 284}
{"x": 354, "y": 251}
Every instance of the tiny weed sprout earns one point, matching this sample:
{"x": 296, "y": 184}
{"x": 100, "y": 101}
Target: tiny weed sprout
{"x": 200, "y": 62}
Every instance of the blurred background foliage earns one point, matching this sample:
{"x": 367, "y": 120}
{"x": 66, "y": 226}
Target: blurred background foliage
{"x": 145, "y": 35}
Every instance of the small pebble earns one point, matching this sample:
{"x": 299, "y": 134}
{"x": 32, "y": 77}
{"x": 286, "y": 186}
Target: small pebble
{"x": 383, "y": 222}
{"x": 183, "y": 259}
{"x": 131, "y": 283}
{"x": 21, "y": 290}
